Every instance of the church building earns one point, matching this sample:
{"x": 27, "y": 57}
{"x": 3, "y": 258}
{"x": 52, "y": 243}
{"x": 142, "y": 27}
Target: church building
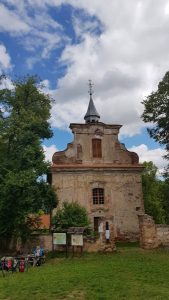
{"x": 99, "y": 173}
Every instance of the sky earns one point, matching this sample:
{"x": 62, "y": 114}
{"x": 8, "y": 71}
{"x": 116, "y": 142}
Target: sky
{"x": 122, "y": 46}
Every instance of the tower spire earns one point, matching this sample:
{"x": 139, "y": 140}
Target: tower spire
{"x": 91, "y": 115}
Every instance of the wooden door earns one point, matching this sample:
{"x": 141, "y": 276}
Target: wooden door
{"x": 96, "y": 224}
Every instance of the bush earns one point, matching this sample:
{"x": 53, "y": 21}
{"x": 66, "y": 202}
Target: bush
{"x": 70, "y": 215}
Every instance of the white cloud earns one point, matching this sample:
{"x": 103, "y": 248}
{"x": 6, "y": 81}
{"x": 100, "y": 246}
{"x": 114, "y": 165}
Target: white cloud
{"x": 125, "y": 61}
{"x": 5, "y": 59}
{"x": 65, "y": 113}
{"x": 154, "y": 155}
{"x": 33, "y": 28}
{"x": 46, "y": 85}
{"x": 11, "y": 22}
{"x": 49, "y": 151}
{"x": 6, "y": 83}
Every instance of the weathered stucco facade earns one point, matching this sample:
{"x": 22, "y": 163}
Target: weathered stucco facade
{"x": 99, "y": 173}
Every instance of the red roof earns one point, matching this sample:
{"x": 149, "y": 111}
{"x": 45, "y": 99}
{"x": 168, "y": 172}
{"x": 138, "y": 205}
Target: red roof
{"x": 45, "y": 222}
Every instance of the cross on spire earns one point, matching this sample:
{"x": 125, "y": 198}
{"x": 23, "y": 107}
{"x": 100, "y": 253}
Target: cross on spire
{"x": 90, "y": 87}
{"x": 92, "y": 115}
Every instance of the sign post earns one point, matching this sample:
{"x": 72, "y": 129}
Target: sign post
{"x": 77, "y": 241}
{"x": 60, "y": 239}
{"x": 76, "y": 237}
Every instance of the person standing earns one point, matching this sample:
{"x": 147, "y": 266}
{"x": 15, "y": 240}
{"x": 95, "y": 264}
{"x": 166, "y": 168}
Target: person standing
{"x": 38, "y": 254}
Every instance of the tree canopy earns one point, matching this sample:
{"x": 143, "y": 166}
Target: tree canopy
{"x": 24, "y": 123}
{"x": 153, "y": 193}
{"x": 156, "y": 111}
{"x": 70, "y": 215}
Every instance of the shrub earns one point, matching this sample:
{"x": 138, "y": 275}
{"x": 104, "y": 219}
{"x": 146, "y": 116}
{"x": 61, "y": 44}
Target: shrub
{"x": 70, "y": 215}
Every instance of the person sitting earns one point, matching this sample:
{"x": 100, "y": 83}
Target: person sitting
{"x": 38, "y": 254}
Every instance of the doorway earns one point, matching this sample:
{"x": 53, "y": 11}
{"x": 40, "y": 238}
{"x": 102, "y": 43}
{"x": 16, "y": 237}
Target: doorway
{"x": 96, "y": 224}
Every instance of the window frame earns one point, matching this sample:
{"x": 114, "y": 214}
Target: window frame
{"x": 98, "y": 196}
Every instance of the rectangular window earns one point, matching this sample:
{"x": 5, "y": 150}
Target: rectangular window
{"x": 97, "y": 147}
{"x": 98, "y": 196}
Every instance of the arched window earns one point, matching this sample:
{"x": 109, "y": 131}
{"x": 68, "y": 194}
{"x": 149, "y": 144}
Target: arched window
{"x": 97, "y": 147}
{"x": 98, "y": 196}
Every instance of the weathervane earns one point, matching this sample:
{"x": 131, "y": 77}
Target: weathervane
{"x": 90, "y": 88}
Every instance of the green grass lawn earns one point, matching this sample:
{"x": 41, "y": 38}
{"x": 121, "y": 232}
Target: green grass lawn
{"x": 131, "y": 273}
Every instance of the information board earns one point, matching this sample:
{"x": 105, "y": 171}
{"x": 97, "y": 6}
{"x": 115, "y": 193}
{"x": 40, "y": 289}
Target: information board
{"x": 77, "y": 240}
{"x": 59, "y": 238}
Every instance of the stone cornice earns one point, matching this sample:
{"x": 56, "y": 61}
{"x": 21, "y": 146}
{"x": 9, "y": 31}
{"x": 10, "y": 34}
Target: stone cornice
{"x": 97, "y": 124}
{"x": 95, "y": 167}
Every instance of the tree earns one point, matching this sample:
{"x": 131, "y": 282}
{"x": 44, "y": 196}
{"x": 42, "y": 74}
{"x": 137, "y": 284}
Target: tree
{"x": 153, "y": 193}
{"x": 70, "y": 215}
{"x": 164, "y": 191}
{"x": 156, "y": 111}
{"x": 24, "y": 114}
